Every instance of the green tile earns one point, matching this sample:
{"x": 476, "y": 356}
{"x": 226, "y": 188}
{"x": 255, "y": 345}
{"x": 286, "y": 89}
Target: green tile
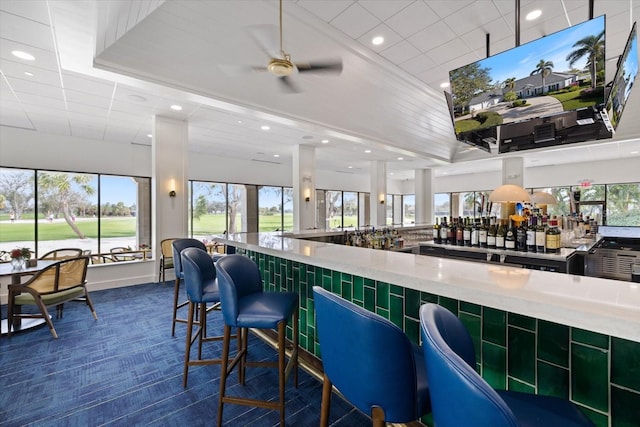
{"x": 597, "y": 418}
{"x": 450, "y": 304}
{"x": 525, "y": 322}
{"x": 370, "y": 299}
{"x": 358, "y": 288}
{"x": 589, "y": 376}
{"x": 473, "y": 325}
{"x": 625, "y": 408}
{"x": 382, "y": 295}
{"x": 383, "y": 312}
{"x": 468, "y": 307}
{"x": 396, "y": 310}
{"x": 370, "y": 283}
{"x": 625, "y": 363}
{"x": 412, "y": 303}
{"x": 494, "y": 326}
{"x": 347, "y": 291}
{"x": 553, "y": 343}
{"x": 553, "y": 380}
{"x": 591, "y": 338}
{"x": 427, "y": 297}
{"x": 520, "y": 386}
{"x": 412, "y": 329}
{"x": 326, "y": 283}
{"x": 521, "y": 355}
{"x": 494, "y": 365}
{"x": 396, "y": 290}
{"x": 318, "y": 278}
{"x": 336, "y": 284}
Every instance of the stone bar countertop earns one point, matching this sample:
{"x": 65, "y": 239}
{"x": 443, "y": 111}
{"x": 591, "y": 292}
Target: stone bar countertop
{"x": 605, "y": 306}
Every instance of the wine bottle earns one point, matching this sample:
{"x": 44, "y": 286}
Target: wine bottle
{"x": 510, "y": 237}
{"x": 436, "y": 232}
{"x": 443, "y": 230}
{"x": 482, "y": 233}
{"x": 459, "y": 233}
{"x": 475, "y": 233}
{"x": 466, "y": 232}
{"x": 500, "y": 236}
{"x": 531, "y": 234}
{"x": 553, "y": 238}
{"x": 541, "y": 236}
{"x": 521, "y": 236}
{"x": 491, "y": 234}
{"x": 451, "y": 231}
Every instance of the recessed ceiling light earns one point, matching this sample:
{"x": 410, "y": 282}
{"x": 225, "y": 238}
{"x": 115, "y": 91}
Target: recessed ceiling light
{"x": 325, "y": 141}
{"x": 23, "y": 55}
{"x": 26, "y": 73}
{"x": 377, "y": 41}
{"x": 239, "y": 121}
{"x": 400, "y": 158}
{"x": 634, "y": 152}
{"x": 265, "y": 127}
{"x": 276, "y": 155}
{"x": 367, "y": 151}
{"x": 137, "y": 98}
{"x": 349, "y": 167}
{"x": 149, "y": 135}
{"x": 534, "y": 14}
{"x": 176, "y": 107}
{"x": 445, "y": 84}
{"x": 390, "y": 173}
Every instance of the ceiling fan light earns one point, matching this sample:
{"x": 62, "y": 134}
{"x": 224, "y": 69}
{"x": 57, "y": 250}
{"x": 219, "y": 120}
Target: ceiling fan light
{"x": 280, "y": 67}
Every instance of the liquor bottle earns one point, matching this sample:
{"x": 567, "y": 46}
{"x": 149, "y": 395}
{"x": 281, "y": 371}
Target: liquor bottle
{"x": 491, "y": 234}
{"x": 451, "y": 232}
{"x": 443, "y": 230}
{"x": 531, "y": 234}
{"x": 553, "y": 238}
{"x": 541, "y": 236}
{"x": 466, "y": 232}
{"x": 510, "y": 237}
{"x": 500, "y": 236}
{"x": 436, "y": 232}
{"x": 459, "y": 233}
{"x": 521, "y": 236}
{"x": 475, "y": 233}
{"x": 482, "y": 233}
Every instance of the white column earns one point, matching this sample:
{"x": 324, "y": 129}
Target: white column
{"x": 378, "y": 193}
{"x": 424, "y": 196}
{"x": 513, "y": 171}
{"x": 304, "y": 188}
{"x": 169, "y": 170}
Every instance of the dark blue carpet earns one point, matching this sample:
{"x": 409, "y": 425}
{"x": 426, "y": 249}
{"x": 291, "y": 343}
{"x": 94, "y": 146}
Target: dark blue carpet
{"x": 125, "y": 369}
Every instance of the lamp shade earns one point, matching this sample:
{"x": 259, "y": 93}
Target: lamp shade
{"x": 542, "y": 198}
{"x": 509, "y": 193}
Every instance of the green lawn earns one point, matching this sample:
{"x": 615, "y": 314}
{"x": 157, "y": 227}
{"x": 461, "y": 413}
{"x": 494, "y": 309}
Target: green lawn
{"x": 572, "y": 101}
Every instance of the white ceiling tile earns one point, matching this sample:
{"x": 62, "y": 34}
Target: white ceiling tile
{"x": 390, "y": 38}
{"x": 325, "y": 10}
{"x": 384, "y": 9}
{"x": 445, "y": 8}
{"x": 448, "y": 51}
{"x": 87, "y": 132}
{"x": 28, "y": 32}
{"x": 33, "y": 10}
{"x": 434, "y": 35}
{"x": 355, "y": 21}
{"x": 44, "y": 59}
{"x": 87, "y": 99}
{"x": 15, "y": 118}
{"x": 418, "y": 64}
{"x": 40, "y": 75}
{"x": 50, "y": 124}
{"x": 29, "y": 99}
{"x": 412, "y": 19}
{"x": 34, "y": 88}
{"x": 89, "y": 86}
{"x": 400, "y": 52}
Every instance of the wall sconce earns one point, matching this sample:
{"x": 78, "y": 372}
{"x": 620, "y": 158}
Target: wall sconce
{"x": 382, "y": 199}
{"x": 307, "y": 195}
{"x": 172, "y": 188}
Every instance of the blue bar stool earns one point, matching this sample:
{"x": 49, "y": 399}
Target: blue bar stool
{"x": 202, "y": 288}
{"x": 245, "y": 305}
{"x": 461, "y": 397}
{"x": 177, "y": 246}
{"x": 371, "y": 362}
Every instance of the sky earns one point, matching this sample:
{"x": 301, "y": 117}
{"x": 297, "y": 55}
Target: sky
{"x": 519, "y": 62}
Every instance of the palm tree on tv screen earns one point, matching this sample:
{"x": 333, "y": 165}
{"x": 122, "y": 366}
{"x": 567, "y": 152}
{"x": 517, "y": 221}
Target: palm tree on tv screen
{"x": 593, "y": 48}
{"x": 544, "y": 69}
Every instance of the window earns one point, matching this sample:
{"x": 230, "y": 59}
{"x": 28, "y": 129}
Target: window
{"x": 350, "y": 209}
{"x": 441, "y": 204}
{"x": 287, "y": 208}
{"x": 71, "y": 209}
{"x": 409, "y": 209}
{"x": 623, "y": 204}
{"x": 333, "y": 202}
{"x": 562, "y": 196}
{"x": 208, "y": 209}
{"x": 270, "y": 208}
{"x": 389, "y": 209}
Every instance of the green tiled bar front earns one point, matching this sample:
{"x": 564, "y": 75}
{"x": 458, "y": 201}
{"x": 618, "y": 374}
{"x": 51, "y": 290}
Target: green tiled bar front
{"x": 599, "y": 373}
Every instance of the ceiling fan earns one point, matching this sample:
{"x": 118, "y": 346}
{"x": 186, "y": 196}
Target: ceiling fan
{"x": 280, "y": 63}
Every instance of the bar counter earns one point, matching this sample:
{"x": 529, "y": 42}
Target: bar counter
{"x": 534, "y": 331}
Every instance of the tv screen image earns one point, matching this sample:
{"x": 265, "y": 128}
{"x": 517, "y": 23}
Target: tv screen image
{"x": 560, "y": 72}
{"x": 623, "y": 81}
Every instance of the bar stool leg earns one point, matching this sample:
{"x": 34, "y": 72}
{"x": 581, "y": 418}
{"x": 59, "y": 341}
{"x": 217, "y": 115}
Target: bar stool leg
{"x": 176, "y": 290}
{"x": 224, "y": 371}
{"x": 325, "y": 409}
{"x": 187, "y": 347}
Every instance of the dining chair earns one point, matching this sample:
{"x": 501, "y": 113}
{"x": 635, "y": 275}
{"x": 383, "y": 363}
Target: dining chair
{"x": 461, "y": 397}
{"x": 166, "y": 258}
{"x": 177, "y": 246}
{"x": 54, "y": 285}
{"x": 62, "y": 253}
{"x": 370, "y": 361}
{"x": 121, "y": 253}
{"x": 202, "y": 288}
{"x": 245, "y": 305}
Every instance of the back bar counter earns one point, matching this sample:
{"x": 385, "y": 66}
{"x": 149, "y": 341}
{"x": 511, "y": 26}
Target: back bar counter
{"x": 535, "y": 331}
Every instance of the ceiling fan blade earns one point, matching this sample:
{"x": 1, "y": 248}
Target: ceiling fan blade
{"x": 267, "y": 38}
{"x": 287, "y": 85}
{"x": 334, "y": 66}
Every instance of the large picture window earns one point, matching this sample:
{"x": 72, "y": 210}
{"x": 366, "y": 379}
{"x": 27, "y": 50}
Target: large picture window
{"x": 100, "y": 214}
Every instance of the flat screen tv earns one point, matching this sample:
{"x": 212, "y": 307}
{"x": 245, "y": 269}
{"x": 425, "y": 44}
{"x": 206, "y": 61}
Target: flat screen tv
{"x": 558, "y": 74}
{"x": 622, "y": 83}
